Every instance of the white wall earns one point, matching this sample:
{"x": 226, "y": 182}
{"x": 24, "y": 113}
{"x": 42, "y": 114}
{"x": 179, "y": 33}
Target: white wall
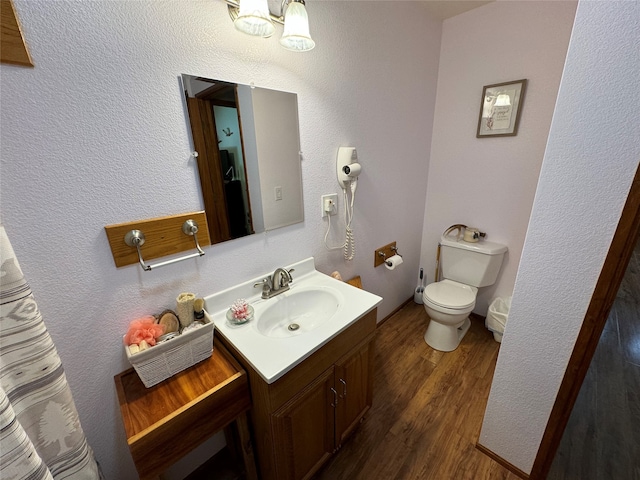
{"x": 590, "y": 160}
{"x": 245, "y": 108}
{"x": 279, "y": 157}
{"x": 489, "y": 183}
{"x": 96, "y": 134}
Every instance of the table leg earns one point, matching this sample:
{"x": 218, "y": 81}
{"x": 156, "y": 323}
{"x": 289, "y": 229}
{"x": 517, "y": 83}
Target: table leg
{"x": 246, "y": 446}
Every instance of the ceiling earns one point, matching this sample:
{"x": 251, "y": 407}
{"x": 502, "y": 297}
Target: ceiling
{"x": 443, "y": 9}
{"x": 440, "y": 9}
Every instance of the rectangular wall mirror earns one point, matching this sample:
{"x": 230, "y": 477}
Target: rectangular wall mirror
{"x": 248, "y": 145}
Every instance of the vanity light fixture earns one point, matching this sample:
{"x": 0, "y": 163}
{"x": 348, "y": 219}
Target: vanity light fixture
{"x": 254, "y": 18}
{"x": 296, "y": 28}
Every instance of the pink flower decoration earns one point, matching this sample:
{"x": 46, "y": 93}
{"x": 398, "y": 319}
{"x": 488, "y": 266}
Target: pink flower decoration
{"x": 240, "y": 309}
{"x": 144, "y": 328}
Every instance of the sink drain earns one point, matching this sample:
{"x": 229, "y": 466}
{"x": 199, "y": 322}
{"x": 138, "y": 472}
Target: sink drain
{"x": 293, "y": 327}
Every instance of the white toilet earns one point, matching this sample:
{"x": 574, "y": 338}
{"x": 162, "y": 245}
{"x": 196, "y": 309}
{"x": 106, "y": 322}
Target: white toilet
{"x": 465, "y": 268}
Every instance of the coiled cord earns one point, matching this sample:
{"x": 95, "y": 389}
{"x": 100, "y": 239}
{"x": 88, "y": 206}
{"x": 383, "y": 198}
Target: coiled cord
{"x": 350, "y": 240}
{"x": 349, "y": 245}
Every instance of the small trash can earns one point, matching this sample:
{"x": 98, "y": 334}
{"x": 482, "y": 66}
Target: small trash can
{"x": 497, "y": 317}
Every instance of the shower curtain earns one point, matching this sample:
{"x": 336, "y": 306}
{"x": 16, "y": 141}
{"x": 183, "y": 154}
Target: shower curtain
{"x": 40, "y": 432}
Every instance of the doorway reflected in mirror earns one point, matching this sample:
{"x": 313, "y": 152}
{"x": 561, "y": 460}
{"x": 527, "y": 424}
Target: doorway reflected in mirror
{"x": 248, "y": 147}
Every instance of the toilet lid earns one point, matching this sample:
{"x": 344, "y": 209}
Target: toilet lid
{"x": 450, "y": 295}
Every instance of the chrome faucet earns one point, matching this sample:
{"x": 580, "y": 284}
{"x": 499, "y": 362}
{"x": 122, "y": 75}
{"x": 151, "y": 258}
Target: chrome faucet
{"x": 281, "y": 279}
{"x": 276, "y": 284}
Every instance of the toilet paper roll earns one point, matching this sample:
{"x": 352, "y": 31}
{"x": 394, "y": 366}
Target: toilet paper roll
{"x": 392, "y": 262}
{"x": 471, "y": 235}
{"x": 184, "y": 308}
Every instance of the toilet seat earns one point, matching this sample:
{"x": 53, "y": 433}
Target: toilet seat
{"x": 450, "y": 295}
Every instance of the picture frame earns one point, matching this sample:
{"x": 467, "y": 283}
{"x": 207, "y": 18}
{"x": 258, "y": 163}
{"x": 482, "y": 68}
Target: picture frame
{"x": 500, "y": 109}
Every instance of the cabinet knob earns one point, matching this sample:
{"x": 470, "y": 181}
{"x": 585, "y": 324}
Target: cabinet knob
{"x": 335, "y": 398}
{"x": 344, "y": 388}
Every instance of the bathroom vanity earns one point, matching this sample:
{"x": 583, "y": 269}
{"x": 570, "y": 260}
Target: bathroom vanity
{"x": 300, "y": 420}
{"x": 309, "y": 389}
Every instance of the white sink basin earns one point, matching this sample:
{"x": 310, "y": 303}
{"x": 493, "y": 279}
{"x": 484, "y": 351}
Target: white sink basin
{"x": 320, "y": 307}
{"x": 298, "y": 311}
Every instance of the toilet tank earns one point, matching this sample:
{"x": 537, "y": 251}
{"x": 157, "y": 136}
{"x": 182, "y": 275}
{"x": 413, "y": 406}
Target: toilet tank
{"x": 474, "y": 264}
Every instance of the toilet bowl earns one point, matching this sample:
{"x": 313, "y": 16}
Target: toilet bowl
{"x": 466, "y": 267}
{"x": 448, "y": 305}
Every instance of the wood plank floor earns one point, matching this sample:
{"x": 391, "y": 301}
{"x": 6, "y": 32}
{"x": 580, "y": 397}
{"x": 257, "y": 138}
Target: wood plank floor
{"x": 602, "y": 438}
{"x": 427, "y": 408}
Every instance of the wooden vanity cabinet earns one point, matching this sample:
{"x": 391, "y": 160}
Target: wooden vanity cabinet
{"x": 354, "y": 383}
{"x": 303, "y": 430}
{"x": 300, "y": 420}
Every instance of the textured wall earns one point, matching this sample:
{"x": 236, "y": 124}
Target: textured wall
{"x": 591, "y": 157}
{"x": 96, "y": 134}
{"x": 495, "y": 178}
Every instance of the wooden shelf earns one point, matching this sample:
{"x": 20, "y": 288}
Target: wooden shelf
{"x": 166, "y": 421}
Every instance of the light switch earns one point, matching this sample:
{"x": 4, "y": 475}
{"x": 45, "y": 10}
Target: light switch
{"x": 278, "y": 193}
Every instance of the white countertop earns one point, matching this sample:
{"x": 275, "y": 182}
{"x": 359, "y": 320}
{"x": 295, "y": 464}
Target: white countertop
{"x": 273, "y": 357}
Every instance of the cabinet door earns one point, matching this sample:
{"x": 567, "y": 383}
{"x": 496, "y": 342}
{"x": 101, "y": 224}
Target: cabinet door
{"x": 303, "y": 430}
{"x": 354, "y": 383}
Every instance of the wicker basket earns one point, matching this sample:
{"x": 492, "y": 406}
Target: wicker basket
{"x": 168, "y": 358}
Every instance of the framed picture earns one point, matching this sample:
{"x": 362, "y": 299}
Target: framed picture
{"x": 500, "y": 109}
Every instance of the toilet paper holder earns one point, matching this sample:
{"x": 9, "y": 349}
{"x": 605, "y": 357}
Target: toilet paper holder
{"x": 384, "y": 252}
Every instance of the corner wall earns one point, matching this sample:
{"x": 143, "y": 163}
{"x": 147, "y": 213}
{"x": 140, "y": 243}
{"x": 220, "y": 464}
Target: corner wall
{"x": 489, "y": 183}
{"x": 590, "y": 161}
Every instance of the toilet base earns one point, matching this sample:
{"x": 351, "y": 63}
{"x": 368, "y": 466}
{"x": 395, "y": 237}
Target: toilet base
{"x": 446, "y": 338}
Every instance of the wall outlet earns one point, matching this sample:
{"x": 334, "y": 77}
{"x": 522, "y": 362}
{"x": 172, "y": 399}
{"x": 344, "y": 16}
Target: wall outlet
{"x": 329, "y": 204}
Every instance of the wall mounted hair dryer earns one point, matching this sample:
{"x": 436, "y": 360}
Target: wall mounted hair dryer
{"x": 347, "y": 169}
{"x": 347, "y": 166}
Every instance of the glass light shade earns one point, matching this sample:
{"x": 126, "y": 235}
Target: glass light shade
{"x": 503, "y": 100}
{"x": 253, "y": 18}
{"x": 296, "y": 29}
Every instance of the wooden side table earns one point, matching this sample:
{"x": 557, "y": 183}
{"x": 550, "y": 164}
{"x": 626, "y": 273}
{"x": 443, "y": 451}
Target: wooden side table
{"x": 168, "y": 420}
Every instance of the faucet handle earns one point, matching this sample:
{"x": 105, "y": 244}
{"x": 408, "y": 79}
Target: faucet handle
{"x": 290, "y": 276}
{"x": 265, "y": 284}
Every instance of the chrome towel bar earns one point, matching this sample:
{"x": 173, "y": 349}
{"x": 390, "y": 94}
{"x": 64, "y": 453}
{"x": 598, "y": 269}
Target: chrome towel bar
{"x": 135, "y": 238}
